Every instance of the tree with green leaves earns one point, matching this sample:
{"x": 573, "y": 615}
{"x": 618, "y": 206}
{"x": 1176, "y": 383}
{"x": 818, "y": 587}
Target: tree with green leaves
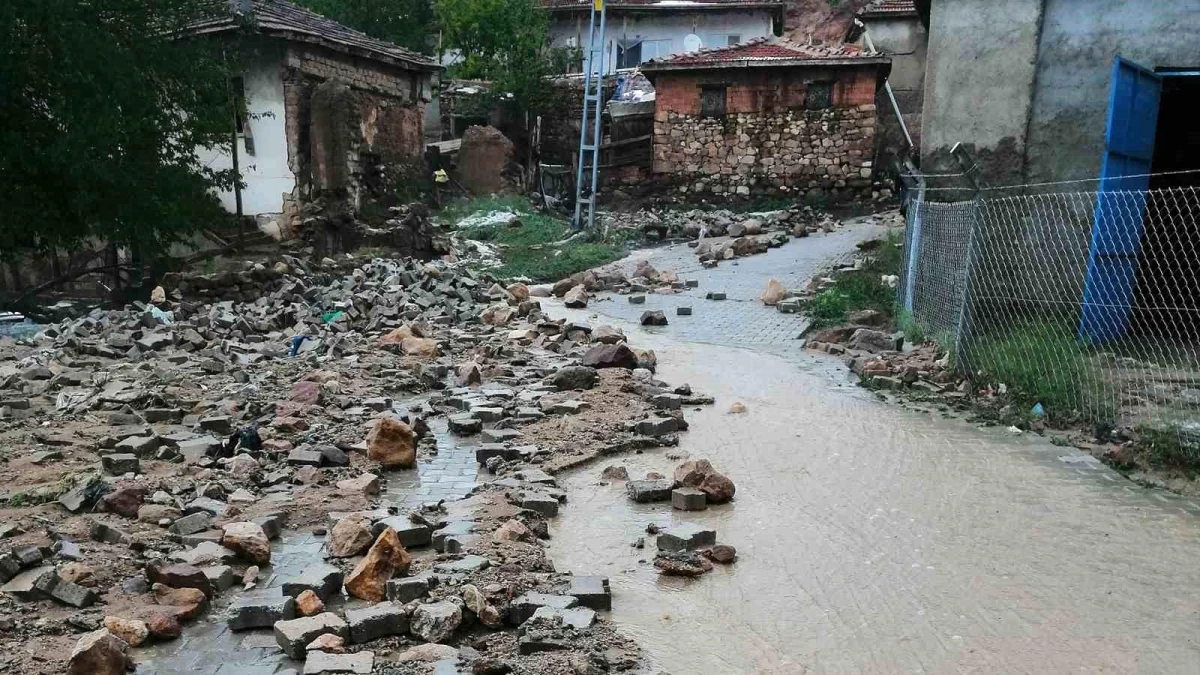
{"x": 408, "y": 23}
{"x": 504, "y": 41}
{"x": 102, "y": 105}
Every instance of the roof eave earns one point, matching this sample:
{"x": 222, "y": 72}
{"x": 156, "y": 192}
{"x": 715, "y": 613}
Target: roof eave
{"x": 767, "y": 63}
{"x": 299, "y": 36}
{"x": 776, "y": 7}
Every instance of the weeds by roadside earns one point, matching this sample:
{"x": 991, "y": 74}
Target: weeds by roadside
{"x": 543, "y": 248}
{"x": 859, "y": 288}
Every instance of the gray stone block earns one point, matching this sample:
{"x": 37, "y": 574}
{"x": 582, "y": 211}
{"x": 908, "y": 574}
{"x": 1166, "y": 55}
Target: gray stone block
{"x": 501, "y": 435}
{"x": 407, "y": 589}
{"x": 324, "y": 580}
{"x": 591, "y": 591}
{"x": 293, "y": 635}
{"x": 468, "y": 564}
{"x": 646, "y": 491}
{"x": 688, "y": 499}
{"x": 220, "y": 577}
{"x": 379, "y": 620}
{"x": 686, "y": 537}
{"x": 322, "y": 663}
{"x": 412, "y": 535}
{"x": 657, "y": 426}
{"x": 191, "y": 524}
{"x": 120, "y": 463}
{"x": 451, "y": 529}
{"x": 260, "y": 612}
{"x": 543, "y": 504}
{"x": 523, "y": 607}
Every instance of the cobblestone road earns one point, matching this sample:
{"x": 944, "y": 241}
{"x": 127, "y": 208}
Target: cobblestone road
{"x": 740, "y": 319}
{"x": 209, "y": 648}
{"x": 873, "y": 538}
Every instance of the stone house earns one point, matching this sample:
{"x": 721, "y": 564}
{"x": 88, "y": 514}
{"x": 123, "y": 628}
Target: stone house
{"x": 767, "y": 117}
{"x": 326, "y": 108}
{"x": 638, "y": 31}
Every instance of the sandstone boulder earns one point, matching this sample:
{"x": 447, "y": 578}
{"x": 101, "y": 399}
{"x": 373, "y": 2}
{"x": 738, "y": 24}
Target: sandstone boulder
{"x": 249, "y": 541}
{"x": 385, "y": 559}
{"x": 98, "y": 653}
{"x": 392, "y": 443}
{"x": 350, "y": 537}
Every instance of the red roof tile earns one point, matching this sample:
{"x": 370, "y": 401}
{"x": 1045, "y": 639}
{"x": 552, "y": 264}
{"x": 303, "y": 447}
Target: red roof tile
{"x": 764, "y": 50}
{"x": 889, "y": 8}
{"x": 681, "y": 5}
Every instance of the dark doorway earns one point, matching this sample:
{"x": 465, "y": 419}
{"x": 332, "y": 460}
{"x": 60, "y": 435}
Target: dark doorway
{"x": 1167, "y": 294}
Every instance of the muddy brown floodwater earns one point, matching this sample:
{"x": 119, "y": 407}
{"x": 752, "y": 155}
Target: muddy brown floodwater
{"x": 874, "y": 539}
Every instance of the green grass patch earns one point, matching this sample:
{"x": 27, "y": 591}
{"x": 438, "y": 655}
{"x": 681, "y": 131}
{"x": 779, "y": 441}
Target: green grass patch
{"x": 534, "y": 250}
{"x": 1168, "y": 448}
{"x": 1044, "y": 363}
{"x": 858, "y": 289}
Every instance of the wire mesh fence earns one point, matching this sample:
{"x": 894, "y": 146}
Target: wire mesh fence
{"x": 1087, "y": 303}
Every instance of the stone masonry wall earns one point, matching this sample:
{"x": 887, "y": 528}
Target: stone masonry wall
{"x": 387, "y": 105}
{"x": 767, "y": 143}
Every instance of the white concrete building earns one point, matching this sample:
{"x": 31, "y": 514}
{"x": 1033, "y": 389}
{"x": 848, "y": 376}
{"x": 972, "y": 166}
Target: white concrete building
{"x": 640, "y": 30}
{"x": 282, "y": 144}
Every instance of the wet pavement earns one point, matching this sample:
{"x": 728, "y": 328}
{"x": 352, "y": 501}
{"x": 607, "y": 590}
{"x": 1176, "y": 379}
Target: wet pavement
{"x": 208, "y": 647}
{"x": 873, "y": 538}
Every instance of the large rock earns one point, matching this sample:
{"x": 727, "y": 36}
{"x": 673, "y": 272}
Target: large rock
{"x": 610, "y": 356}
{"x": 482, "y": 158}
{"x": 576, "y": 298}
{"x": 477, "y": 603}
{"x": 875, "y": 341}
{"x": 436, "y": 621}
{"x": 608, "y": 335}
{"x": 575, "y": 377}
{"x": 98, "y": 653}
{"x": 189, "y": 602}
{"x": 773, "y": 293}
{"x": 392, "y": 443}
{"x": 249, "y": 541}
{"x": 350, "y": 537}
{"x": 700, "y": 474}
{"x": 386, "y": 558}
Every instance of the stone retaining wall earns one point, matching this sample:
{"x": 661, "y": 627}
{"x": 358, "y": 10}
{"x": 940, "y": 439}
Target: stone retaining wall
{"x": 769, "y": 140}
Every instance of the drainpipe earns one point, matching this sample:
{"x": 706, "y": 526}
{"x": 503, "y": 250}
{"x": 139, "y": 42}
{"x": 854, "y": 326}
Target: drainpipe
{"x": 887, "y": 85}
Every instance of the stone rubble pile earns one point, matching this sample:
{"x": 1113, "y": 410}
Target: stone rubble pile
{"x": 180, "y": 441}
{"x": 709, "y": 223}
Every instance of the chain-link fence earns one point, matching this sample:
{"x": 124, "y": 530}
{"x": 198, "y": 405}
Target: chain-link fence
{"x": 1085, "y": 302}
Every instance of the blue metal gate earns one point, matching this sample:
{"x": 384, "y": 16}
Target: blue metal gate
{"x": 1117, "y": 232}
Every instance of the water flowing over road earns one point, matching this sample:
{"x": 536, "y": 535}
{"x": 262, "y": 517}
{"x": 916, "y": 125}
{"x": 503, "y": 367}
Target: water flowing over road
{"x": 873, "y": 538}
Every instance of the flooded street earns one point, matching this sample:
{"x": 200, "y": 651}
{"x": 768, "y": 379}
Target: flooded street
{"x": 874, "y": 539}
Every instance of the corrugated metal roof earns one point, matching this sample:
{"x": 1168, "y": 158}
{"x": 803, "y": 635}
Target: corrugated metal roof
{"x": 765, "y": 51}
{"x": 277, "y": 17}
{"x": 889, "y": 8}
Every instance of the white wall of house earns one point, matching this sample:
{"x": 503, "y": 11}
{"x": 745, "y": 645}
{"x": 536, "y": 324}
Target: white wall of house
{"x": 265, "y": 172}
{"x": 661, "y": 33}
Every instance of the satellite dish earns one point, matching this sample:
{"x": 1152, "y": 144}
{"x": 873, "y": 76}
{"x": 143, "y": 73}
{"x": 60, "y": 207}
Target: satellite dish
{"x": 692, "y": 43}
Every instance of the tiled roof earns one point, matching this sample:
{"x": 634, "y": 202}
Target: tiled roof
{"x": 678, "y": 5}
{"x": 890, "y": 8}
{"x": 765, "y": 51}
{"x": 283, "y": 19}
